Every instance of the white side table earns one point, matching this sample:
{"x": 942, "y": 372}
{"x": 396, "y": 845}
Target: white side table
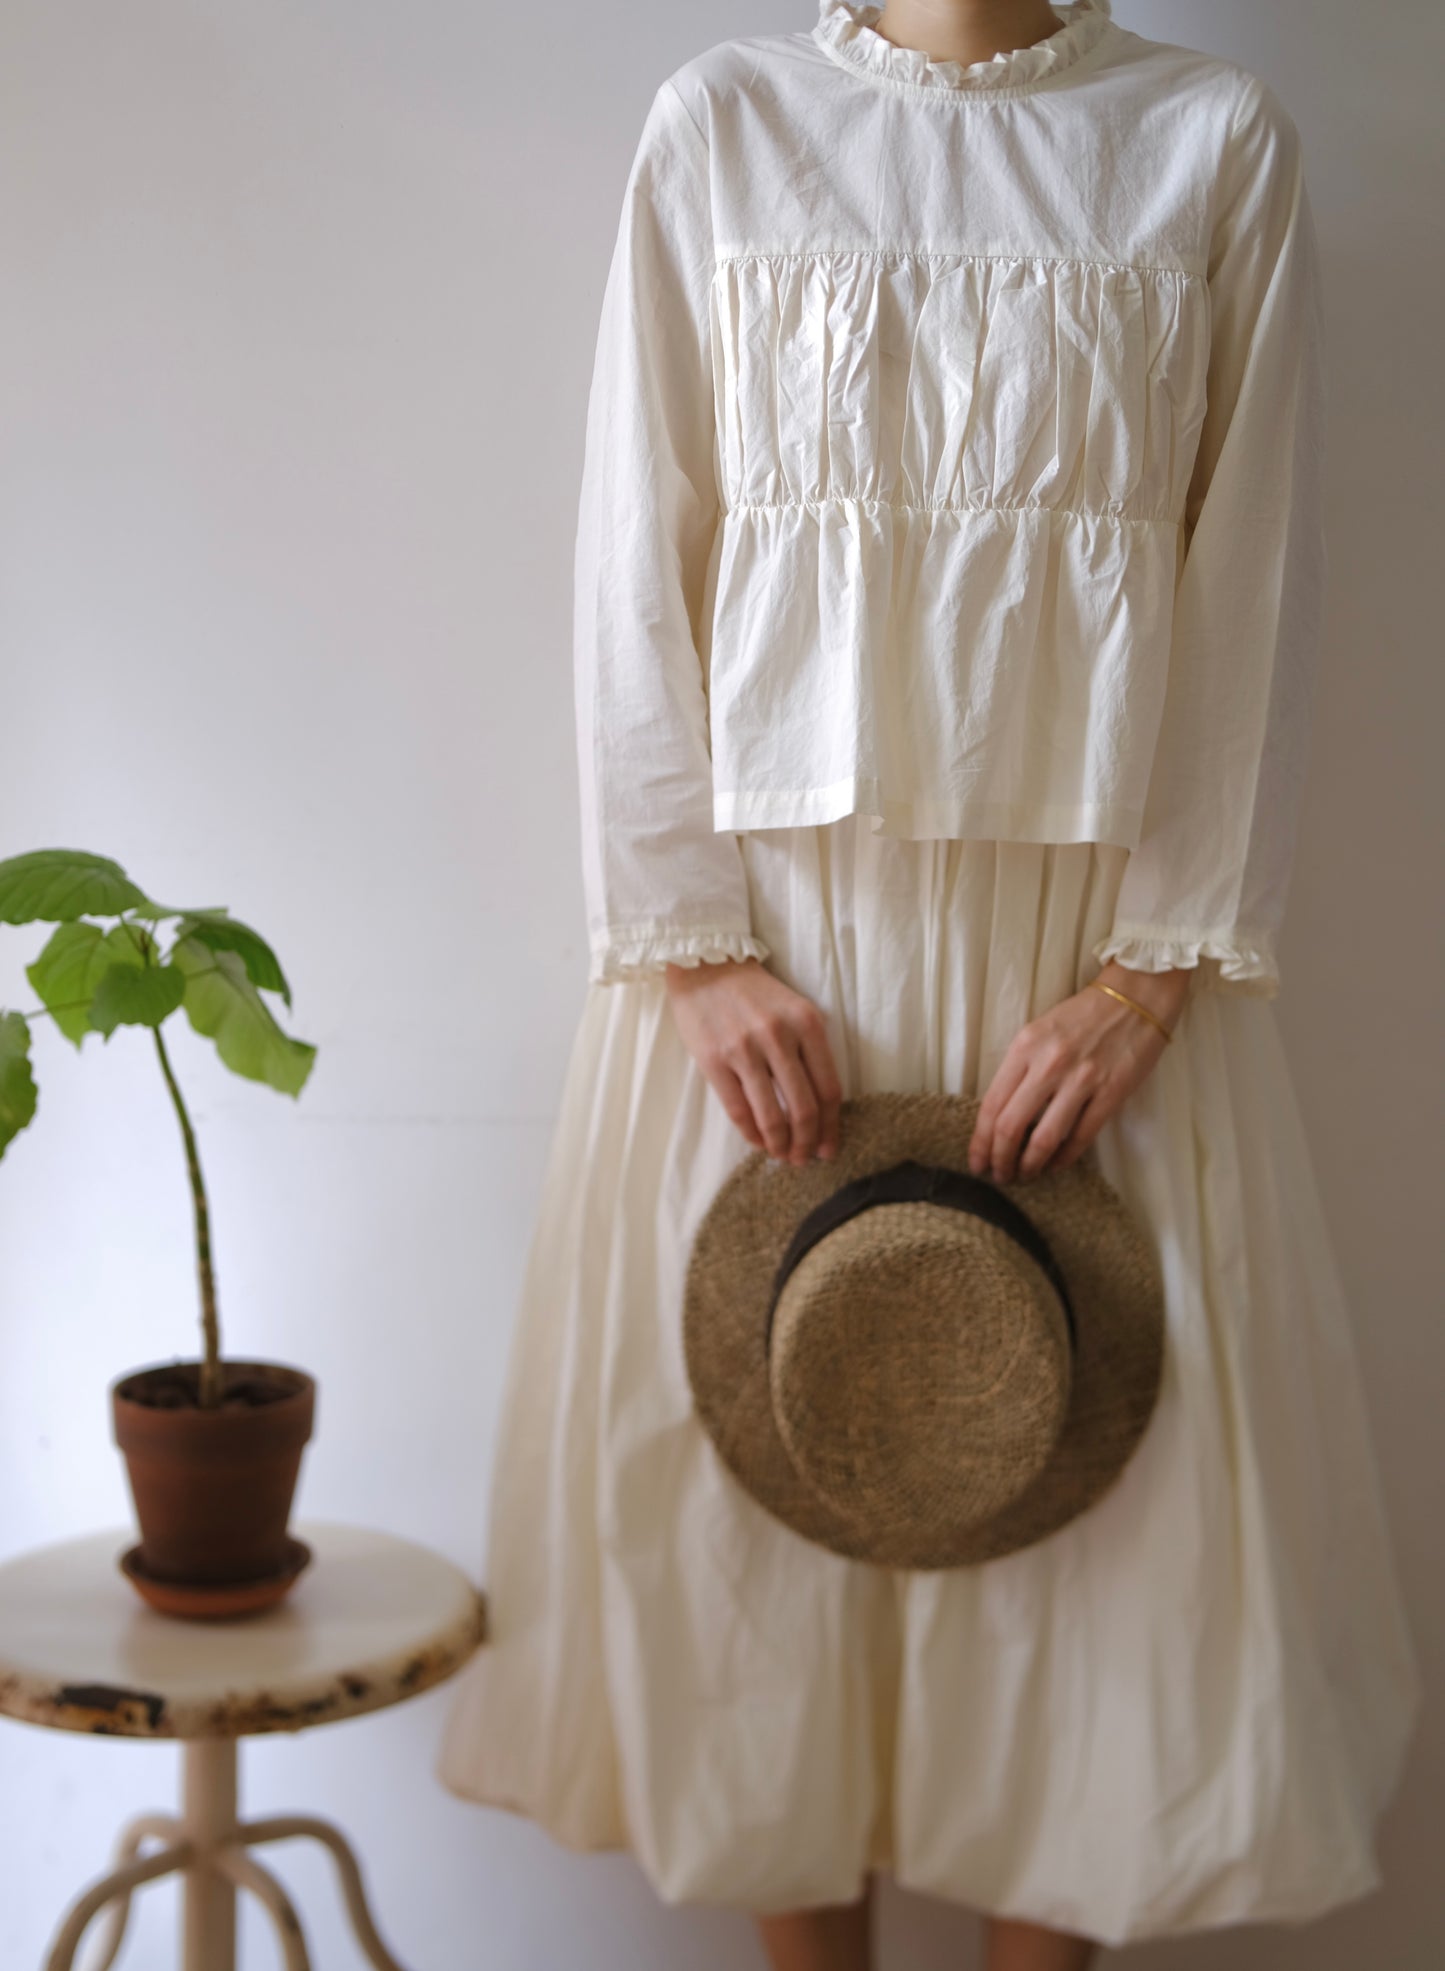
{"x": 373, "y": 1620}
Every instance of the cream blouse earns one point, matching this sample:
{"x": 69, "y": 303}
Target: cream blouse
{"x": 953, "y": 457}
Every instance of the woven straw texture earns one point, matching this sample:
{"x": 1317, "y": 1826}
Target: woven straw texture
{"x": 896, "y": 1418}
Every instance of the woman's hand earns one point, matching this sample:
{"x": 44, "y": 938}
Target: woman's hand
{"x": 1067, "y": 1072}
{"x": 753, "y": 1036}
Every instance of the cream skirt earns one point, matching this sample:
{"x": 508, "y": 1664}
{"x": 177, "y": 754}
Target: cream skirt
{"x": 1185, "y": 1708}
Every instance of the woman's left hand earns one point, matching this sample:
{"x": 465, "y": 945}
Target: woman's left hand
{"x": 1067, "y": 1072}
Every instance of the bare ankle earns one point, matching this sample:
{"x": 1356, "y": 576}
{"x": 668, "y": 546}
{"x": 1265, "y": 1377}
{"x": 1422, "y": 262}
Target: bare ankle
{"x": 836, "y": 1937}
{"x": 1013, "y": 1945}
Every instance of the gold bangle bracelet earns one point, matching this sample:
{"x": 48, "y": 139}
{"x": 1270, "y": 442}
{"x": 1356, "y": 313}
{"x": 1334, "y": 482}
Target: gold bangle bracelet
{"x": 1125, "y": 1000}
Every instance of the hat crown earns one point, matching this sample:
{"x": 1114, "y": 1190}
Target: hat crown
{"x": 919, "y": 1364}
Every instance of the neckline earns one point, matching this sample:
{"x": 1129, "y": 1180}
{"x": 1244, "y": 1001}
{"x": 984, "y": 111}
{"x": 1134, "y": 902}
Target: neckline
{"x": 846, "y": 30}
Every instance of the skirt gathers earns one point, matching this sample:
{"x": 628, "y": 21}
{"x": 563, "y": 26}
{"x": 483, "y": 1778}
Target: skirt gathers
{"x": 1185, "y": 1708}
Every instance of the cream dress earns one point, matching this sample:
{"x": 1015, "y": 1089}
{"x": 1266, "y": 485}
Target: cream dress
{"x": 1188, "y": 1706}
{"x": 1185, "y": 1708}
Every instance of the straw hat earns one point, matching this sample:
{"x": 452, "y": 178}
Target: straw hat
{"x": 912, "y": 1365}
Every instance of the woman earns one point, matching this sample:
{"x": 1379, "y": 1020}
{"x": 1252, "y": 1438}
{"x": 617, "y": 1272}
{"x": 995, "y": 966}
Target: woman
{"x": 948, "y": 586}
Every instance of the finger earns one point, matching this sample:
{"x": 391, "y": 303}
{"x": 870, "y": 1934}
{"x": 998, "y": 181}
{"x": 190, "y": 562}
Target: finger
{"x": 1091, "y": 1119}
{"x": 823, "y": 1072}
{"x": 773, "y": 1126}
{"x": 1016, "y": 1119}
{"x": 1011, "y": 1071}
{"x": 736, "y": 1106}
{"x": 1054, "y": 1125}
{"x": 796, "y": 1084}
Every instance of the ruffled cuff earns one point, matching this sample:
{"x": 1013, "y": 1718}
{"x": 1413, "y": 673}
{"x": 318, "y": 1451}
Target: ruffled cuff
{"x": 1222, "y": 961}
{"x": 619, "y": 957}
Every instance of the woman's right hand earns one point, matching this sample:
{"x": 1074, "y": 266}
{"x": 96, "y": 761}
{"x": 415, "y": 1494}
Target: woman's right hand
{"x": 753, "y": 1036}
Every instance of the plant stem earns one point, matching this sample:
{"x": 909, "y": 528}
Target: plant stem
{"x": 210, "y": 1385}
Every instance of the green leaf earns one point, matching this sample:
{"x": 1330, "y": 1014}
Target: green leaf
{"x": 219, "y": 931}
{"x": 222, "y": 1003}
{"x": 72, "y": 965}
{"x": 55, "y": 886}
{"x": 136, "y": 996}
{"x": 17, "y": 1084}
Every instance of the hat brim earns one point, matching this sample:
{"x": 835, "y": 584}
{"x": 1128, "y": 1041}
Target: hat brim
{"x": 1114, "y": 1283}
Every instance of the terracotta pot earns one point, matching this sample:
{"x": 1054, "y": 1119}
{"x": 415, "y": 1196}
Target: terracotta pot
{"x": 213, "y": 1488}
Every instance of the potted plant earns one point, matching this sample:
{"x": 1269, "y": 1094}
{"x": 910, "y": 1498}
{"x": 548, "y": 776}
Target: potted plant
{"x": 212, "y": 1447}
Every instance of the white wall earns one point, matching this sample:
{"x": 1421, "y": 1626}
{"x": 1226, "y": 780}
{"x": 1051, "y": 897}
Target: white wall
{"x": 296, "y": 319}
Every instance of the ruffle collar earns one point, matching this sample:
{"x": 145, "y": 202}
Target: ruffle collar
{"x": 846, "y": 31}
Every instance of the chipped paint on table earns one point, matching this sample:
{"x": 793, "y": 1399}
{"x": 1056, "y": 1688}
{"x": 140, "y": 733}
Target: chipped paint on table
{"x": 372, "y": 1621}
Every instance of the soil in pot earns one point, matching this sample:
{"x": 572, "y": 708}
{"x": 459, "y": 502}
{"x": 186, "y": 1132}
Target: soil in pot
{"x": 213, "y": 1488}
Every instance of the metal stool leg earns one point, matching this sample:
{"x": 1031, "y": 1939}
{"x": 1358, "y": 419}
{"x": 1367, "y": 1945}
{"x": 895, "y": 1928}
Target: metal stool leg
{"x": 245, "y": 1873}
{"x": 146, "y": 1827}
{"x": 208, "y": 1844}
{"x": 120, "y": 1882}
{"x": 286, "y": 1827}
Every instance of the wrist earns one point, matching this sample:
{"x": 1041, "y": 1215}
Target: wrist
{"x": 1163, "y": 993}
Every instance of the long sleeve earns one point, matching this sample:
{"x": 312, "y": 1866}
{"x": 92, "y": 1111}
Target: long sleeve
{"x": 660, "y": 885}
{"x": 1206, "y": 884}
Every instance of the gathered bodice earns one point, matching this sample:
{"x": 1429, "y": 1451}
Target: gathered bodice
{"x": 949, "y": 380}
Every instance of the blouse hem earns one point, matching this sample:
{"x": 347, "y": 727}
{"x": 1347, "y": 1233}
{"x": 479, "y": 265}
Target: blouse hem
{"x": 738, "y": 811}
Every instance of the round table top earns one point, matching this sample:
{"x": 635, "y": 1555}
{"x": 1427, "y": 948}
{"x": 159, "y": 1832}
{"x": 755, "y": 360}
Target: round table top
{"x": 372, "y": 1620}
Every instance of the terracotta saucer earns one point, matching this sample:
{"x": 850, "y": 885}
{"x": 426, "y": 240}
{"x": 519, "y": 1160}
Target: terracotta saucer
{"x": 210, "y": 1601}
